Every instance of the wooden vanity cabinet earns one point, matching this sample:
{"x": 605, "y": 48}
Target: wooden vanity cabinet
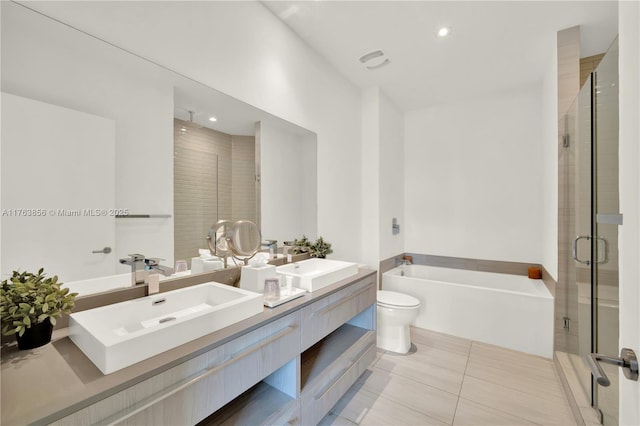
{"x": 189, "y": 392}
{"x": 288, "y": 371}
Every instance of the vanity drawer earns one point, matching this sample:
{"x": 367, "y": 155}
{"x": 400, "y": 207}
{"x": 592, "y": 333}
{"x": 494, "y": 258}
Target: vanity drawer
{"x": 189, "y": 392}
{"x": 180, "y": 384}
{"x": 319, "y": 397}
{"x": 263, "y": 351}
{"x": 326, "y": 315}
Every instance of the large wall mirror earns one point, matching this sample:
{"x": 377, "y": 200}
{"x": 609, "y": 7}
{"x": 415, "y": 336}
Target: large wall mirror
{"x": 102, "y": 148}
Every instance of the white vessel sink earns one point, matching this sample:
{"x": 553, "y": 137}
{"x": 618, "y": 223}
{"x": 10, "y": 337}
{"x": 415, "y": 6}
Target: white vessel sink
{"x": 314, "y": 274}
{"x": 119, "y": 335}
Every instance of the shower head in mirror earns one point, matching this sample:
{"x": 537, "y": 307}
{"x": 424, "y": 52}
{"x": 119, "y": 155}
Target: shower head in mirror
{"x": 189, "y": 122}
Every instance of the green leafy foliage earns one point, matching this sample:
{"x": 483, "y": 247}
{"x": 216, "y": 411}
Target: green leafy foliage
{"x": 302, "y": 245}
{"x": 320, "y": 248}
{"x": 27, "y": 299}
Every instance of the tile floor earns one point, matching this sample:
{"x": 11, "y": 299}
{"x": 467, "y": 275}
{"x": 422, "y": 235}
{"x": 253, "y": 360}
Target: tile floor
{"x": 454, "y": 381}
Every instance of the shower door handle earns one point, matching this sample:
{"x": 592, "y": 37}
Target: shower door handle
{"x": 627, "y": 360}
{"x": 603, "y": 250}
{"x": 574, "y": 252}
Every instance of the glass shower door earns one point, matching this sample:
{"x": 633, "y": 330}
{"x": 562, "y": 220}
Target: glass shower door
{"x": 606, "y": 220}
{"x": 576, "y": 158}
{"x": 589, "y": 208}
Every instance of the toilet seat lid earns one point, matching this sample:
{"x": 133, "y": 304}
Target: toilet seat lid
{"x": 393, "y": 298}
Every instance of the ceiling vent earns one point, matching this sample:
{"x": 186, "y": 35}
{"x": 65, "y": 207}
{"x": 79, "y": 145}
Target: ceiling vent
{"x": 374, "y": 60}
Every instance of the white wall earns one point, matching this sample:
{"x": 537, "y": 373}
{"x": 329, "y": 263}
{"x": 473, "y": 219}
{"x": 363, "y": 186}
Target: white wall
{"x": 50, "y": 62}
{"x": 629, "y": 232}
{"x": 370, "y": 176}
{"x": 287, "y": 179}
{"x": 472, "y": 176}
{"x": 549, "y": 165}
{"x": 49, "y": 178}
{"x": 382, "y": 177}
{"x": 391, "y": 178}
{"x": 241, "y": 49}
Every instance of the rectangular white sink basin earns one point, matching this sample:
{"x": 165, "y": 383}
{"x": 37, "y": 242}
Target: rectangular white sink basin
{"x": 119, "y": 335}
{"x": 314, "y": 274}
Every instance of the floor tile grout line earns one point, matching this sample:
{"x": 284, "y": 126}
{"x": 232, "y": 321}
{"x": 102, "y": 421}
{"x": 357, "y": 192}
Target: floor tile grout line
{"x": 392, "y": 401}
{"x": 555, "y": 381}
{"x": 377, "y": 359}
{"x": 497, "y": 384}
{"x": 512, "y": 389}
{"x": 553, "y": 376}
{"x": 412, "y": 409}
{"x": 566, "y": 407}
{"x": 550, "y": 376}
{"x": 501, "y": 411}
{"x": 338, "y": 416}
{"x": 416, "y": 381}
{"x": 411, "y": 378}
{"x": 434, "y": 335}
{"x": 464, "y": 374}
{"x": 548, "y": 397}
{"x": 470, "y": 371}
{"x": 438, "y": 366}
{"x": 400, "y": 403}
{"x": 510, "y": 363}
{"x": 420, "y": 382}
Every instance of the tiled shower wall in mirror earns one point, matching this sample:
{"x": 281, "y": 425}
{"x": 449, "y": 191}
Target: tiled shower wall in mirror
{"x": 214, "y": 179}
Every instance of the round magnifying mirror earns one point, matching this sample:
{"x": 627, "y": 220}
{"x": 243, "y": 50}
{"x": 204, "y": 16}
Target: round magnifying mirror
{"x": 217, "y": 238}
{"x": 244, "y": 239}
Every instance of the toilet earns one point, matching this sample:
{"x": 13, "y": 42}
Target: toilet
{"x": 395, "y": 311}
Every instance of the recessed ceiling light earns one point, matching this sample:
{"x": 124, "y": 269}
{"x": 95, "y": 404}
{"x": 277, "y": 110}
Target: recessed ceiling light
{"x": 212, "y": 118}
{"x": 443, "y": 32}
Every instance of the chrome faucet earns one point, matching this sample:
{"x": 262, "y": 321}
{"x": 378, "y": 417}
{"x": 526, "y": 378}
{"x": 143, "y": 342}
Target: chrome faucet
{"x": 138, "y": 266}
{"x": 273, "y": 247}
{"x": 405, "y": 260}
{"x": 153, "y": 264}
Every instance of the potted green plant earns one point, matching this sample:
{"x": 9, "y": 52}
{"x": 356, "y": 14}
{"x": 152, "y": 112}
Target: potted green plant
{"x": 302, "y": 245}
{"x": 30, "y": 304}
{"x": 320, "y": 248}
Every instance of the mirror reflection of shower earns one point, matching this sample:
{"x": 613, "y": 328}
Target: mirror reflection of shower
{"x": 214, "y": 177}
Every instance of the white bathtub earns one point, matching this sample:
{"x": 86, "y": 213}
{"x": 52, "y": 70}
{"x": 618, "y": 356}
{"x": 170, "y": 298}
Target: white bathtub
{"x": 511, "y": 311}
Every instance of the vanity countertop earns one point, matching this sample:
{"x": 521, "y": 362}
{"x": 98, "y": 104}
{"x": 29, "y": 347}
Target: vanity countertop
{"x": 48, "y": 383}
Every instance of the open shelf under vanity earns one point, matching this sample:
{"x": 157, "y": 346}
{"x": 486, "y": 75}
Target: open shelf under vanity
{"x": 308, "y": 386}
